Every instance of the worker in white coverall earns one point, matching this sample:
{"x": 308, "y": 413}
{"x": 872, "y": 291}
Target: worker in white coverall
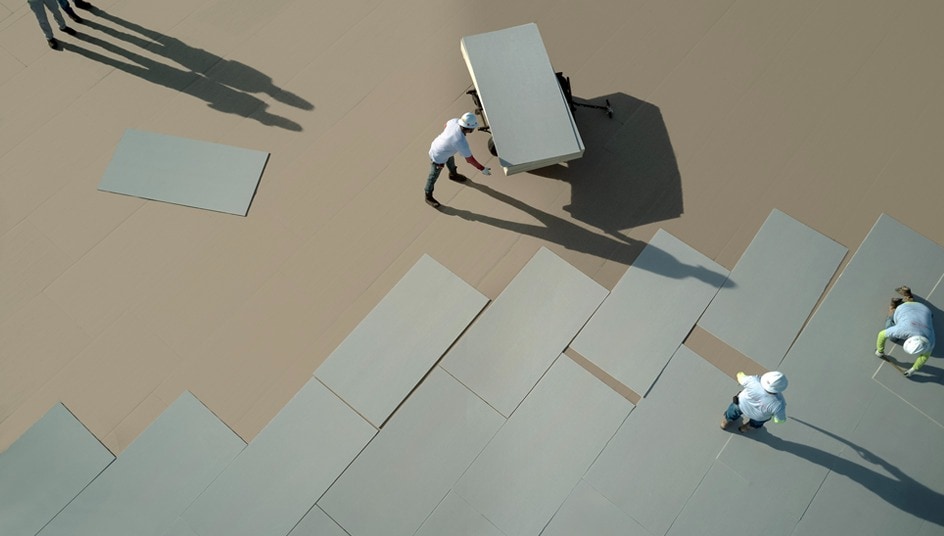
{"x": 445, "y": 146}
{"x": 760, "y": 400}
{"x": 911, "y": 325}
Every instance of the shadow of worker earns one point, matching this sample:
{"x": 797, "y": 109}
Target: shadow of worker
{"x": 887, "y": 482}
{"x": 220, "y": 97}
{"x": 231, "y": 73}
{"x": 628, "y": 175}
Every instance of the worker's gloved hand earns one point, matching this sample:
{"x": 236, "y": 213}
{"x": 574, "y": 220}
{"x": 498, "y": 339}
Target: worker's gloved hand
{"x": 486, "y": 171}
{"x": 879, "y": 353}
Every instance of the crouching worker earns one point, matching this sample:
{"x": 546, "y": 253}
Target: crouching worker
{"x": 760, "y": 400}
{"x": 911, "y": 325}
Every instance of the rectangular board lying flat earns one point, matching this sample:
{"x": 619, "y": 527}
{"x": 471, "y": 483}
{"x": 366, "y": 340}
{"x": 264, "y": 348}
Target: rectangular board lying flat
{"x": 45, "y": 469}
{"x": 285, "y": 469}
{"x": 146, "y": 489}
{"x": 772, "y": 289}
{"x": 535, "y": 460}
{"x": 650, "y": 311}
{"x": 510, "y": 346}
{"x": 390, "y": 351}
{"x": 185, "y": 172}
{"x": 670, "y": 438}
{"x": 416, "y": 458}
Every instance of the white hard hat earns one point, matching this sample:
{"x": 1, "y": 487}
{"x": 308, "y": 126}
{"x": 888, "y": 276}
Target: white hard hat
{"x": 774, "y": 382}
{"x": 468, "y": 120}
{"x": 916, "y": 345}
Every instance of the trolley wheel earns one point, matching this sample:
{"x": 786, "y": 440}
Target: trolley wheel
{"x": 491, "y": 146}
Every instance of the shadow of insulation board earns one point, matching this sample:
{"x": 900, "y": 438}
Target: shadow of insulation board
{"x": 187, "y": 172}
{"x": 282, "y": 472}
{"x": 144, "y": 491}
{"x": 650, "y": 311}
{"x": 397, "y": 343}
{"x": 772, "y": 289}
{"x": 45, "y": 469}
{"x": 415, "y": 459}
{"x": 508, "y": 348}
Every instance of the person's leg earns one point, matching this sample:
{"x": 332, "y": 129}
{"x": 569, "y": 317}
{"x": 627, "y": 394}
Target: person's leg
{"x": 732, "y": 414}
{"x": 751, "y": 424}
{"x": 922, "y": 359}
{"x": 53, "y": 6}
{"x": 434, "y": 171}
{"x": 41, "y": 17}
{"x": 64, "y": 4}
{"x": 451, "y": 164}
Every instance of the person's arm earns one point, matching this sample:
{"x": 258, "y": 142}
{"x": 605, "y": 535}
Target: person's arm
{"x": 742, "y": 378}
{"x": 480, "y": 167}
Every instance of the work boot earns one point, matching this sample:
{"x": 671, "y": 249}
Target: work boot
{"x": 905, "y": 291}
{"x": 458, "y": 177}
{"x": 68, "y": 30}
{"x": 431, "y": 201}
{"x": 725, "y": 423}
{"x": 74, "y": 16}
{"x": 53, "y": 43}
{"x": 82, "y": 4}
{"x": 744, "y": 427}
{"x": 896, "y": 302}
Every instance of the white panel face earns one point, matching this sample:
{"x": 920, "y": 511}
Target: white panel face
{"x": 650, "y": 311}
{"x": 563, "y": 424}
{"x": 388, "y": 353}
{"x": 416, "y": 458}
{"x": 456, "y": 517}
{"x": 285, "y": 468}
{"x": 185, "y": 172}
{"x": 45, "y": 469}
{"x": 147, "y": 488}
{"x": 586, "y": 511}
{"x": 515, "y": 340}
{"x": 669, "y": 442}
{"x": 773, "y": 288}
{"x": 529, "y": 118}
{"x": 317, "y": 523}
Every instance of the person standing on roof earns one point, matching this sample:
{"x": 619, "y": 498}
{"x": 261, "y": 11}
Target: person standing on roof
{"x": 445, "y": 146}
{"x": 760, "y": 401}
{"x": 909, "y": 324}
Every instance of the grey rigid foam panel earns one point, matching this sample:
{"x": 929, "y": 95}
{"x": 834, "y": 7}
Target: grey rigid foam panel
{"x": 390, "y": 351}
{"x": 650, "y": 311}
{"x": 512, "y": 343}
{"x": 535, "y": 460}
{"x": 586, "y": 511}
{"x": 529, "y": 118}
{"x": 883, "y": 482}
{"x": 285, "y": 469}
{"x": 183, "y": 171}
{"x": 772, "y": 289}
{"x": 317, "y": 523}
{"x": 180, "y": 528}
{"x": 456, "y": 517}
{"x": 831, "y": 365}
{"x": 668, "y": 442}
{"x": 410, "y": 466}
{"x": 45, "y": 469}
{"x": 145, "y": 490}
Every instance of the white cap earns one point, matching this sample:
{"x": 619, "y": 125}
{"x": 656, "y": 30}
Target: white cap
{"x": 774, "y": 382}
{"x": 916, "y": 345}
{"x": 468, "y": 120}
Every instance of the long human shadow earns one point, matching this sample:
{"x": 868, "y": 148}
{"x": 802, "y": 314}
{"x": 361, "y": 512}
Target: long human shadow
{"x": 617, "y": 246}
{"x": 232, "y": 73}
{"x": 218, "y": 96}
{"x": 899, "y": 490}
{"x": 628, "y": 175}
